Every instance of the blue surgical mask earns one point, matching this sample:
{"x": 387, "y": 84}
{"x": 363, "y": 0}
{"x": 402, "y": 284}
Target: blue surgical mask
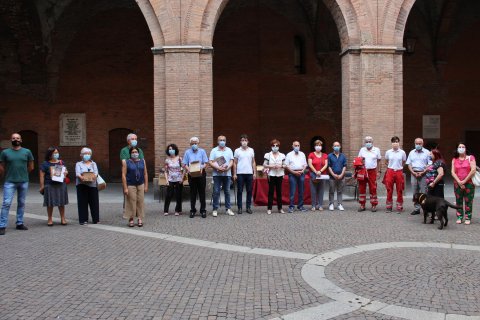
{"x": 133, "y": 143}
{"x": 135, "y": 155}
{"x": 336, "y": 149}
{"x": 275, "y": 149}
{"x": 369, "y": 145}
{"x": 86, "y": 157}
{"x": 194, "y": 147}
{"x": 296, "y": 149}
{"x": 221, "y": 144}
{"x": 171, "y": 152}
{"x": 418, "y": 147}
{"x": 56, "y": 156}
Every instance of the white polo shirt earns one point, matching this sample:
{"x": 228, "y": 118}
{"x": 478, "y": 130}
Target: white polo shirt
{"x": 395, "y": 158}
{"x": 371, "y": 157}
{"x": 296, "y": 161}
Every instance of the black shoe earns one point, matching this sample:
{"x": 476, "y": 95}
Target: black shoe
{"x": 239, "y": 211}
{"x": 204, "y": 214}
{"x": 2, "y": 231}
{"x": 361, "y": 209}
{"x": 21, "y": 227}
{"x": 414, "y": 212}
{"x": 192, "y": 214}
{"x": 249, "y": 211}
{"x": 388, "y": 210}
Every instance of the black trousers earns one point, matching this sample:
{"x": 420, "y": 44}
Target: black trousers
{"x": 197, "y": 186}
{"x": 275, "y": 184}
{"x": 87, "y": 196}
{"x": 174, "y": 188}
{"x": 437, "y": 190}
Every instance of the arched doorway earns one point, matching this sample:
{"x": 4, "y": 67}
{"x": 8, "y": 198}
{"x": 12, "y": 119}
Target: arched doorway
{"x": 440, "y": 74}
{"x": 30, "y": 141}
{"x": 116, "y": 141}
{"x": 276, "y": 74}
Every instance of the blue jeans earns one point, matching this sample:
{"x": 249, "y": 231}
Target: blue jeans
{"x": 295, "y": 181}
{"x": 221, "y": 182}
{"x": 247, "y": 180}
{"x": 8, "y": 193}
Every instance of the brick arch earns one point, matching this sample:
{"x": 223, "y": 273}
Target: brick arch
{"x": 399, "y": 16}
{"x": 343, "y": 12}
{"x": 152, "y": 22}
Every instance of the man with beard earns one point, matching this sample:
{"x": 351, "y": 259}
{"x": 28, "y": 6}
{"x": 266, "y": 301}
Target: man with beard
{"x": 16, "y": 163}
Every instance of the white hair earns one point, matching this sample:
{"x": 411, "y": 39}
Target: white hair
{"x": 194, "y": 139}
{"x": 130, "y": 135}
{"x": 368, "y": 138}
{"x": 85, "y": 150}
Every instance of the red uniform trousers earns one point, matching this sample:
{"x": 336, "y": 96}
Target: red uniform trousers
{"x": 394, "y": 177}
{"x": 372, "y": 186}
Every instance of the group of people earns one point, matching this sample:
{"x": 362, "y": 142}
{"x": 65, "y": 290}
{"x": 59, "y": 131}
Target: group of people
{"x": 427, "y": 170}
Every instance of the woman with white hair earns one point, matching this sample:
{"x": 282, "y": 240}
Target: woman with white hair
{"x": 86, "y": 172}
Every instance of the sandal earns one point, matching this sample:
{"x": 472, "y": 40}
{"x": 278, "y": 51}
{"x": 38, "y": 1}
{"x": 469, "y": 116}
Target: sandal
{"x": 139, "y": 223}
{"x": 467, "y": 221}
{"x": 459, "y": 221}
{"x": 50, "y": 224}
{"x": 131, "y": 223}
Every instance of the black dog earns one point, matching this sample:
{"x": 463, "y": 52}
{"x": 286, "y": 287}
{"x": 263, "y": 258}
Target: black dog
{"x": 435, "y": 206}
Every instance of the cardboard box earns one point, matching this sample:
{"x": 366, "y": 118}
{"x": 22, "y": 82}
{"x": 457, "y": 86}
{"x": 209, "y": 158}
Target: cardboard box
{"x": 195, "y": 169}
{"x": 88, "y": 176}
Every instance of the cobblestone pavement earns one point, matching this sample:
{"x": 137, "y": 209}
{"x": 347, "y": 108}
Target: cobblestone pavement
{"x": 76, "y": 272}
{"x": 433, "y": 279}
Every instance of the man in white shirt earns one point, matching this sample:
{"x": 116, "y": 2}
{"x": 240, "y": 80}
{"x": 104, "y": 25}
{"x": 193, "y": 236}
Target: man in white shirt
{"x": 417, "y": 162}
{"x": 371, "y": 156}
{"x": 296, "y": 163}
{"x": 221, "y": 160}
{"x": 244, "y": 172}
{"x": 395, "y": 160}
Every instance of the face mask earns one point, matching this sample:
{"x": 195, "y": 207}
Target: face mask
{"x": 221, "y": 144}
{"x": 194, "y": 147}
{"x": 16, "y": 143}
{"x": 336, "y": 149}
{"x": 275, "y": 149}
{"x": 171, "y": 152}
{"x": 369, "y": 145}
{"x": 135, "y": 155}
{"x": 318, "y": 148}
{"x": 133, "y": 143}
{"x": 418, "y": 147}
{"x": 461, "y": 150}
{"x": 244, "y": 143}
{"x": 86, "y": 157}
{"x": 56, "y": 156}
{"x": 296, "y": 149}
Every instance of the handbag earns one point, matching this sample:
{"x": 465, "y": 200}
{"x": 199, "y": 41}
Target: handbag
{"x": 101, "y": 184}
{"x": 476, "y": 178}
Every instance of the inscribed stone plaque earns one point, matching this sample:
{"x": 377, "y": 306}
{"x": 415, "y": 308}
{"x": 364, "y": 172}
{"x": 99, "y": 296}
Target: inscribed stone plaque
{"x": 431, "y": 126}
{"x": 73, "y": 129}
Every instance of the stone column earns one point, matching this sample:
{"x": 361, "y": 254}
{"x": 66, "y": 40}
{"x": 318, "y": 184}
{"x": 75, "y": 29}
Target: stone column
{"x": 372, "y": 97}
{"x": 183, "y": 98}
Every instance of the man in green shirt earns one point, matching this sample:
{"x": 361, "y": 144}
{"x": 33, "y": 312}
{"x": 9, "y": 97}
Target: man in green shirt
{"x": 16, "y": 163}
{"x": 132, "y": 141}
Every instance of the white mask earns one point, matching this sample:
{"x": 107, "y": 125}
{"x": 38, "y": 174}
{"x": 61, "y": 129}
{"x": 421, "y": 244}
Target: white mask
{"x": 461, "y": 150}
{"x": 318, "y": 148}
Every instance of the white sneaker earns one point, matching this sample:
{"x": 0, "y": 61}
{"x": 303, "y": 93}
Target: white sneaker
{"x": 340, "y": 207}
{"x": 230, "y": 212}
{"x": 214, "y": 213}
{"x": 269, "y": 211}
{"x": 330, "y": 207}
{"x": 281, "y": 211}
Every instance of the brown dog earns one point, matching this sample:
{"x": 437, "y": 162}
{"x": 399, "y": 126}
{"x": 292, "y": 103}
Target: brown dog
{"x": 434, "y": 205}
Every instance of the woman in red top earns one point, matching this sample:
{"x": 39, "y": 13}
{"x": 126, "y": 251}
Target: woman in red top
{"x": 318, "y": 163}
{"x": 463, "y": 169}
